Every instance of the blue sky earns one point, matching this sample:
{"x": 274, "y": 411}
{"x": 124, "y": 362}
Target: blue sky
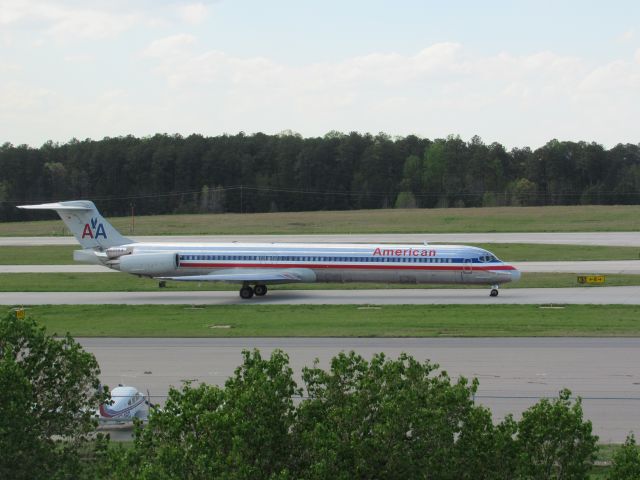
{"x": 516, "y": 72}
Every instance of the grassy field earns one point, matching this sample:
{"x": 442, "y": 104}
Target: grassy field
{"x": 50, "y": 255}
{"x": 338, "y": 320}
{"x": 604, "y": 457}
{"x": 509, "y": 252}
{"x": 120, "y": 282}
{"x": 448, "y": 220}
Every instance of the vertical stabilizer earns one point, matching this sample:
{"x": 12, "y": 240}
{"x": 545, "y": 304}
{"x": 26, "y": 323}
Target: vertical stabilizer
{"x": 85, "y": 222}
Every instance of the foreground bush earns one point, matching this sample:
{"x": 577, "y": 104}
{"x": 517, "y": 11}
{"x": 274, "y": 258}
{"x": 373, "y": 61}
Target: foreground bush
{"x": 360, "y": 419}
{"x": 240, "y": 431}
{"x": 391, "y": 419}
{"x": 626, "y": 461}
{"x": 49, "y": 391}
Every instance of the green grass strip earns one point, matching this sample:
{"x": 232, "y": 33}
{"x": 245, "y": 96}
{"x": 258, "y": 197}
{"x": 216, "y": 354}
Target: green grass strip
{"x": 591, "y": 218}
{"x": 38, "y": 255}
{"x": 338, "y": 320}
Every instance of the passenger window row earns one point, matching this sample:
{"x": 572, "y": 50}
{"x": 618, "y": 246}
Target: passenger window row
{"x": 288, "y": 258}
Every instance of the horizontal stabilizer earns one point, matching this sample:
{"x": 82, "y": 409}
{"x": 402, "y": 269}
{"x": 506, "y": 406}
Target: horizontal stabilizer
{"x": 58, "y": 206}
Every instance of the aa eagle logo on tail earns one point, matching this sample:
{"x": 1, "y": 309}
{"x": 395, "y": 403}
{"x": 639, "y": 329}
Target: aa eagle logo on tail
{"x": 95, "y": 230}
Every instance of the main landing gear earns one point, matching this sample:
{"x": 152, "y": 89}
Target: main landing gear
{"x": 246, "y": 292}
{"x": 494, "y": 291}
{"x": 260, "y": 290}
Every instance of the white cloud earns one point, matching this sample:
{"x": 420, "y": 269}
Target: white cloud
{"x": 79, "y": 58}
{"x": 68, "y": 20}
{"x": 18, "y": 98}
{"x": 194, "y": 13}
{"x": 6, "y": 68}
{"x": 11, "y": 12}
{"x": 105, "y": 113}
{"x": 91, "y": 24}
{"x": 442, "y": 89}
{"x": 170, "y": 46}
{"x": 612, "y": 78}
{"x": 179, "y": 84}
{"x": 441, "y": 69}
{"x": 626, "y": 36}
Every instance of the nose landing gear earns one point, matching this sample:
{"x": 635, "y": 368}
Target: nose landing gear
{"x": 494, "y": 291}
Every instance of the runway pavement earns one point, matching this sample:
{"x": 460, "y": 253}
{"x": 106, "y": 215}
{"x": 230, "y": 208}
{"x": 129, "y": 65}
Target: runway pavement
{"x": 472, "y": 296}
{"x": 513, "y": 372}
{"x": 624, "y": 239}
{"x": 593, "y": 267}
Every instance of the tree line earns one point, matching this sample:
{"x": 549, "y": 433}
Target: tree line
{"x": 381, "y": 418}
{"x": 286, "y": 172}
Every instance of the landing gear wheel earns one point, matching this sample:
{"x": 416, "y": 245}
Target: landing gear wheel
{"x": 260, "y": 290}
{"x": 246, "y": 292}
{"x": 494, "y": 292}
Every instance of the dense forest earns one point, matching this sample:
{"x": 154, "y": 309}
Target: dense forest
{"x": 286, "y": 172}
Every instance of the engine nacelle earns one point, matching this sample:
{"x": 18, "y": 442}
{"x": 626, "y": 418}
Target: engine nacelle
{"x": 151, "y": 264}
{"x": 115, "y": 252}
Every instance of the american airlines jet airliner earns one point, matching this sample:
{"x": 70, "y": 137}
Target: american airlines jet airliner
{"x": 256, "y": 265}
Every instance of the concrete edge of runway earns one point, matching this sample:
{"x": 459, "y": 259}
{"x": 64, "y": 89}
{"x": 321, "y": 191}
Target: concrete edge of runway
{"x": 444, "y": 296}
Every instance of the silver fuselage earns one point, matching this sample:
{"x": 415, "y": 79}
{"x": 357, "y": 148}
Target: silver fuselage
{"x": 439, "y": 264}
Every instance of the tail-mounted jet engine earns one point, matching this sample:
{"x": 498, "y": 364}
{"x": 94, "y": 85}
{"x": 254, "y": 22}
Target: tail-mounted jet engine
{"x": 116, "y": 252}
{"x": 151, "y": 264}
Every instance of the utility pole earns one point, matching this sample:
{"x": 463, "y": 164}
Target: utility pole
{"x": 133, "y": 219}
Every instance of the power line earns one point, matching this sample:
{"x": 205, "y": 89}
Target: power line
{"x": 344, "y": 193}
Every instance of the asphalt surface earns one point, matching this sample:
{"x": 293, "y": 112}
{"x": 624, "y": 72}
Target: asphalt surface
{"x": 623, "y": 239}
{"x": 594, "y": 267}
{"x": 513, "y": 372}
{"x": 536, "y": 296}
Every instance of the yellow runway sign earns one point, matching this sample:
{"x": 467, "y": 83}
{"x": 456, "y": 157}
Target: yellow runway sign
{"x": 591, "y": 279}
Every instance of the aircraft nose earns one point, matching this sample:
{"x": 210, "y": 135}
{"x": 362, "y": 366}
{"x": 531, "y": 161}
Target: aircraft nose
{"x": 515, "y": 275}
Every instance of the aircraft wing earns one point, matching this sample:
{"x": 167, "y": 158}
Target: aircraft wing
{"x": 251, "y": 275}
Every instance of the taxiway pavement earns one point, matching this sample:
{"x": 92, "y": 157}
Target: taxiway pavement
{"x": 622, "y": 239}
{"x": 472, "y": 296}
{"x": 513, "y": 372}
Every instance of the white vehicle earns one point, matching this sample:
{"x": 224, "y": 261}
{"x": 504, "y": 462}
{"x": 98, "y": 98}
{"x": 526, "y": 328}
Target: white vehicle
{"x": 126, "y": 404}
{"x": 256, "y": 265}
